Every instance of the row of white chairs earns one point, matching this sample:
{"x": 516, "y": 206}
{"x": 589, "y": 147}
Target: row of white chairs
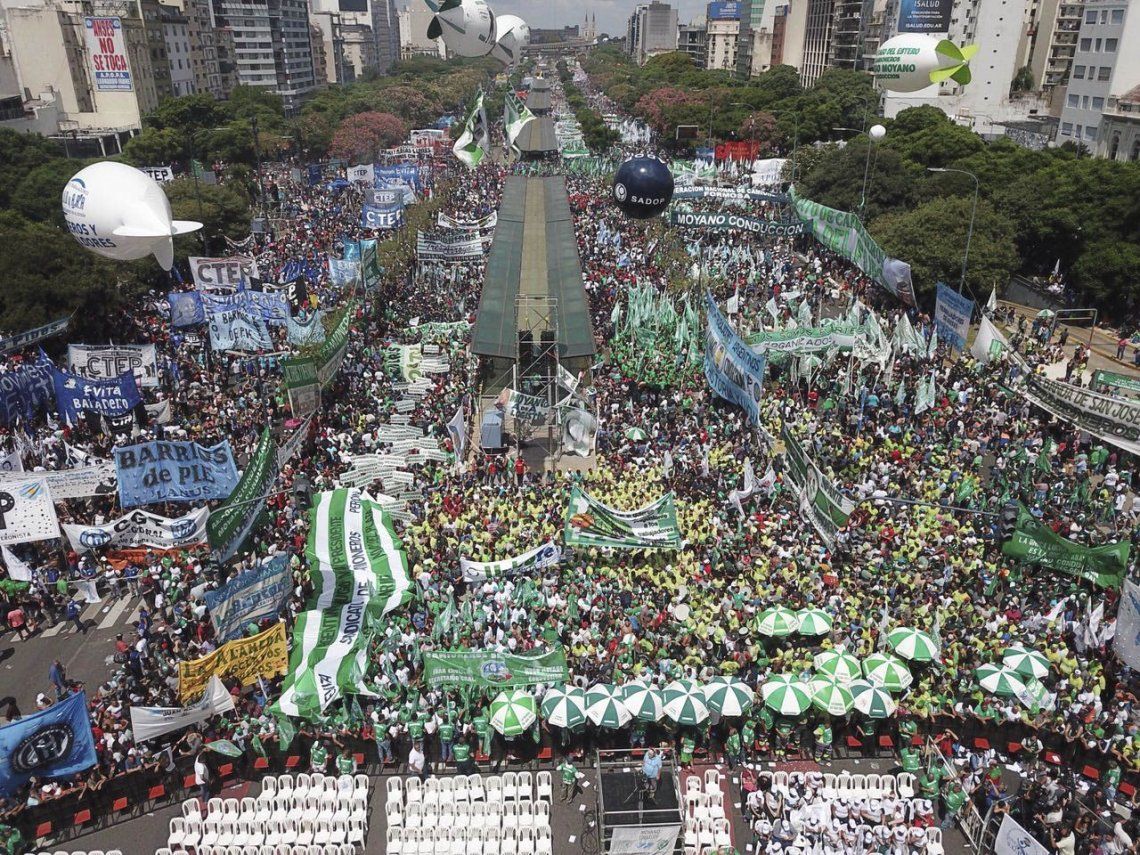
{"x": 705, "y": 806}
{"x": 477, "y": 815}
{"x": 284, "y": 849}
{"x": 305, "y": 784}
{"x": 190, "y": 833}
{"x": 469, "y": 841}
{"x": 871, "y": 786}
{"x": 707, "y": 833}
{"x": 456, "y": 789}
{"x": 711, "y": 782}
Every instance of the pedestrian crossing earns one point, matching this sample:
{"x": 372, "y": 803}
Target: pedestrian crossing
{"x": 103, "y": 615}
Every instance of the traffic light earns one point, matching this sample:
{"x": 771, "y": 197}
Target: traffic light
{"x": 302, "y": 493}
{"x": 1008, "y": 520}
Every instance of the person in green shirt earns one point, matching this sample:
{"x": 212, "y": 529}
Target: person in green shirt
{"x": 318, "y": 757}
{"x": 569, "y": 774}
{"x": 688, "y": 746}
{"x": 952, "y": 800}
{"x": 911, "y": 761}
{"x": 928, "y": 783}
{"x": 748, "y": 738}
{"x": 823, "y": 740}
{"x": 732, "y": 750}
{"x": 345, "y": 763}
{"x": 1110, "y": 780}
{"x": 462, "y": 754}
{"x": 446, "y": 741}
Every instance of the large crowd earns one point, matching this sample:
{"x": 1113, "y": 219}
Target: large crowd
{"x": 932, "y": 562}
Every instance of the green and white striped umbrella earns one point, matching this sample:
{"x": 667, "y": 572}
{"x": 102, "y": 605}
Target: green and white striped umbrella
{"x": 838, "y": 664}
{"x": 643, "y": 702}
{"x": 564, "y": 706}
{"x": 777, "y": 621}
{"x": 871, "y": 700}
{"x": 635, "y": 434}
{"x": 786, "y": 694}
{"x": 813, "y": 622}
{"x": 1000, "y": 680}
{"x": 887, "y": 671}
{"x": 913, "y": 644}
{"x": 685, "y": 702}
{"x": 729, "y": 696}
{"x": 1027, "y": 662}
{"x": 512, "y": 712}
{"x": 604, "y": 707}
{"x": 831, "y": 696}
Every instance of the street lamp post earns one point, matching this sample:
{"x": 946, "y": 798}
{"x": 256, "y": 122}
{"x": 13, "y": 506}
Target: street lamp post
{"x": 795, "y": 136}
{"x": 876, "y": 133}
{"x": 973, "y": 213}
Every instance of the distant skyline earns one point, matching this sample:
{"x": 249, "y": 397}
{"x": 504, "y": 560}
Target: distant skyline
{"x": 612, "y": 15}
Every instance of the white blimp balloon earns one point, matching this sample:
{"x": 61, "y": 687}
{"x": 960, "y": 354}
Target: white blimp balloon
{"x": 914, "y": 61}
{"x": 514, "y": 35}
{"x": 120, "y": 212}
{"x": 467, "y": 27}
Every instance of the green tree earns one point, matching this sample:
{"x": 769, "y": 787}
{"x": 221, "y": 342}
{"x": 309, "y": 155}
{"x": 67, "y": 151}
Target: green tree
{"x": 157, "y": 146}
{"x": 932, "y": 239}
{"x": 1106, "y": 274}
{"x": 19, "y": 154}
{"x": 836, "y": 180}
{"x": 38, "y": 193}
{"x": 223, "y": 209}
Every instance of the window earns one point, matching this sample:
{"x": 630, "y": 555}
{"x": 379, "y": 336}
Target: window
{"x": 1080, "y": 129}
{"x": 1090, "y": 132}
{"x": 1078, "y": 72}
{"x": 1098, "y": 45}
{"x": 1104, "y": 73}
{"x": 1086, "y": 44}
{"x": 1118, "y": 16}
{"x": 1104, "y": 16}
{"x": 1090, "y": 16}
{"x": 1098, "y": 103}
{"x": 1073, "y": 100}
{"x": 1085, "y": 103}
{"x": 1110, "y": 45}
{"x": 1067, "y": 128}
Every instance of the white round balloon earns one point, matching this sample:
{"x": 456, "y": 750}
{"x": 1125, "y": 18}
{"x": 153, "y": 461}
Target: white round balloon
{"x": 120, "y": 212}
{"x": 514, "y": 35}
{"x": 914, "y": 61}
{"x": 467, "y": 27}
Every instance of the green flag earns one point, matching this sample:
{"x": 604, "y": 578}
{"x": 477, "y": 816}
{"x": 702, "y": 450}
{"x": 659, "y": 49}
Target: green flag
{"x": 224, "y": 746}
{"x": 285, "y": 733}
{"x": 474, "y": 142}
{"x": 1036, "y": 543}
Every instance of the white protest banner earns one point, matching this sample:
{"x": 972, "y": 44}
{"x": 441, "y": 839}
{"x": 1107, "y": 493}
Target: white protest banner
{"x": 159, "y": 413}
{"x": 1115, "y": 420}
{"x": 27, "y": 512}
{"x": 487, "y": 222}
{"x": 98, "y": 479}
{"x": 18, "y": 570}
{"x": 139, "y": 528}
{"x": 106, "y": 362}
{"x": 1126, "y": 643}
{"x": 538, "y": 558}
{"x": 222, "y": 274}
{"x": 1012, "y": 839}
{"x": 11, "y": 463}
{"x": 161, "y": 174}
{"x": 150, "y": 722}
{"x": 363, "y": 172}
{"x": 644, "y": 839}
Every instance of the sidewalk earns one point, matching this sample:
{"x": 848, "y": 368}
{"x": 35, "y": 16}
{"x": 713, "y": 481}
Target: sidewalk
{"x": 1103, "y": 342}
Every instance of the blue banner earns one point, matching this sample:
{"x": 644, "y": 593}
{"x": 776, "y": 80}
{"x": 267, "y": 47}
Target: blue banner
{"x": 273, "y": 308}
{"x": 53, "y": 743}
{"x": 382, "y": 216}
{"x": 174, "y": 471}
{"x": 186, "y": 308}
{"x": 407, "y": 173}
{"x": 253, "y": 596}
{"x": 952, "y": 315}
{"x": 111, "y": 398}
{"x": 239, "y": 330}
{"x": 302, "y": 331}
{"x": 314, "y": 173}
{"x": 734, "y": 372}
{"x": 351, "y": 250}
{"x": 26, "y": 391}
{"x": 343, "y": 272}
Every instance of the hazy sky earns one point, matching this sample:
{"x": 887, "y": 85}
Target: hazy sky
{"x": 611, "y": 14}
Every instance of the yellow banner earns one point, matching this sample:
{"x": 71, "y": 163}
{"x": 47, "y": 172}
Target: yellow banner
{"x": 263, "y": 655}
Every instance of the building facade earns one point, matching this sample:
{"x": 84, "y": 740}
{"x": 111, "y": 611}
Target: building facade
{"x": 722, "y": 42}
{"x": 1118, "y": 136}
{"x": 272, "y": 46}
{"x": 1106, "y": 67}
{"x": 386, "y": 32}
{"x": 652, "y": 30}
{"x": 414, "y": 19}
{"x": 176, "y": 32}
{"x": 691, "y": 41}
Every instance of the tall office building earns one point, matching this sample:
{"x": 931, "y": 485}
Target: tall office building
{"x": 156, "y": 46}
{"x": 415, "y": 18}
{"x": 1054, "y": 42}
{"x": 692, "y": 41}
{"x": 652, "y": 30}
{"x": 176, "y": 32}
{"x": 1106, "y": 68}
{"x": 723, "y": 39}
{"x": 386, "y": 32}
{"x": 272, "y": 48}
{"x": 205, "y": 62}
{"x": 819, "y": 30}
{"x": 751, "y": 20}
{"x": 852, "y": 27}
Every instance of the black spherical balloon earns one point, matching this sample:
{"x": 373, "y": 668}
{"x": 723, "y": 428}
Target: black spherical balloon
{"x": 643, "y": 186}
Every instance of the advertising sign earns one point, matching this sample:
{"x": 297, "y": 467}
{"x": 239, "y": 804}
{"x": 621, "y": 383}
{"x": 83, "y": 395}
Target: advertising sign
{"x": 724, "y": 11}
{"x": 925, "y": 16}
{"x": 108, "y": 49}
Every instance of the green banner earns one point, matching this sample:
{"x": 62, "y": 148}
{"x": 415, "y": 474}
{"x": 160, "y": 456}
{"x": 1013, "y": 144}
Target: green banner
{"x": 491, "y": 670}
{"x": 304, "y": 372}
{"x": 1130, "y": 385}
{"x": 806, "y": 339}
{"x": 1035, "y": 543}
{"x": 370, "y": 264}
{"x": 844, "y": 233}
{"x": 590, "y": 523}
{"x": 232, "y": 523}
{"x": 821, "y": 503}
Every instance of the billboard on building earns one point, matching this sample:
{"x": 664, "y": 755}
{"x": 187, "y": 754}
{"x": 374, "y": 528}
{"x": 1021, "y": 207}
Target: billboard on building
{"x": 925, "y": 16}
{"x": 724, "y": 10}
{"x": 108, "y": 49}
{"x": 352, "y": 5}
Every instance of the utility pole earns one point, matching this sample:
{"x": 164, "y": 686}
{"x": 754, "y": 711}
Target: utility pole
{"x": 260, "y": 177}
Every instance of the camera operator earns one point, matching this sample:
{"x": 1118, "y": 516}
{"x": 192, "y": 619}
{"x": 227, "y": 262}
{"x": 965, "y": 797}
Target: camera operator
{"x": 651, "y": 769}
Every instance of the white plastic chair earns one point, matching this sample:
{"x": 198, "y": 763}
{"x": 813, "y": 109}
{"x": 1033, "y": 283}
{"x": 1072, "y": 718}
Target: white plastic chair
{"x": 177, "y": 832}
{"x": 192, "y": 808}
{"x": 285, "y": 785}
{"x": 906, "y": 785}
{"x": 355, "y": 833}
{"x": 526, "y": 841}
{"x": 542, "y": 814}
{"x": 705, "y": 836}
{"x": 721, "y": 834}
{"x": 890, "y": 786}
{"x": 526, "y": 815}
{"x": 828, "y": 791}
{"x": 934, "y": 840}
{"x": 510, "y": 787}
{"x": 446, "y": 790}
{"x": 394, "y": 811}
{"x": 780, "y": 781}
{"x": 475, "y": 785}
{"x": 491, "y": 841}
{"x": 693, "y": 784}
{"x": 395, "y": 841}
{"x": 544, "y": 783}
{"x": 414, "y": 818}
{"x": 413, "y": 790}
{"x": 874, "y": 785}
{"x": 510, "y": 816}
{"x": 859, "y": 783}
{"x": 543, "y": 842}
{"x": 526, "y": 787}
{"x": 494, "y": 788}
{"x": 462, "y": 791}
{"x": 712, "y": 780}
{"x": 509, "y": 844}
{"x": 214, "y": 807}
{"x": 192, "y": 833}
{"x": 475, "y": 841}
{"x": 478, "y": 815}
